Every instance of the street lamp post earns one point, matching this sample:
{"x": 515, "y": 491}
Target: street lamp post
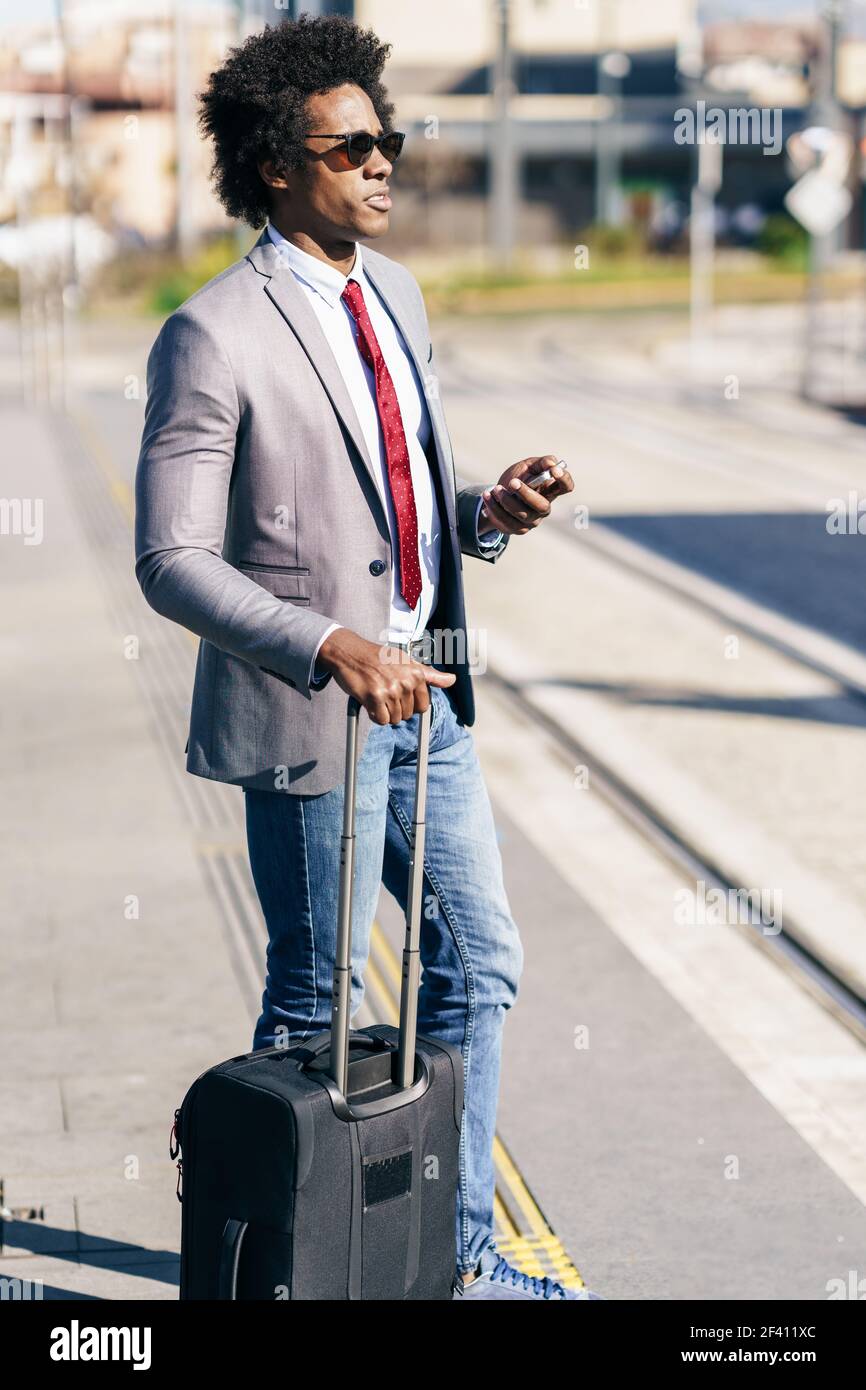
{"x": 184, "y": 224}
{"x": 503, "y": 167}
{"x": 612, "y": 68}
{"x": 824, "y": 115}
{"x": 702, "y": 237}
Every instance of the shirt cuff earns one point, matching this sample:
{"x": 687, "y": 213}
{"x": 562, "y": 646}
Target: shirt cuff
{"x": 490, "y": 538}
{"x": 319, "y": 675}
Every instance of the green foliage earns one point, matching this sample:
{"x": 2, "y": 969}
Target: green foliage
{"x": 609, "y": 243}
{"x": 178, "y": 281}
{"x": 783, "y": 239}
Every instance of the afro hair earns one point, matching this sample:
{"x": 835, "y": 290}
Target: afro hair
{"x": 254, "y": 105}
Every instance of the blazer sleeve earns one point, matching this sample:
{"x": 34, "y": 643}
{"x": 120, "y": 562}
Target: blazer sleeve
{"x": 182, "y": 486}
{"x": 468, "y": 495}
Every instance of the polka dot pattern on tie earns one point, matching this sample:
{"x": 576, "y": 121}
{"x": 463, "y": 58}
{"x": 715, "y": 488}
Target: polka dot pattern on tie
{"x": 396, "y": 449}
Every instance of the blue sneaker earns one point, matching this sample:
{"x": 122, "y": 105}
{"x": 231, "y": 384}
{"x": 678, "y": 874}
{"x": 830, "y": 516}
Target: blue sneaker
{"x": 498, "y": 1279}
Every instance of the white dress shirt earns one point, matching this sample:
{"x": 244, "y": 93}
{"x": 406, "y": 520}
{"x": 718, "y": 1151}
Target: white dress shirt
{"x": 324, "y": 286}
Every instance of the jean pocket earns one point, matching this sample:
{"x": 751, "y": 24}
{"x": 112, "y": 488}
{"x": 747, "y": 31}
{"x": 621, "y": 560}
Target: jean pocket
{"x": 437, "y": 710}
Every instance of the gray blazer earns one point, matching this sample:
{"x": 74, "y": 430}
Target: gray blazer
{"x": 258, "y": 519}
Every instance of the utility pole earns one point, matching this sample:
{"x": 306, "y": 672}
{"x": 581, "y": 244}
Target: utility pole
{"x": 62, "y": 295}
{"x": 824, "y": 113}
{"x": 611, "y": 67}
{"x": 702, "y": 236}
{"x": 184, "y": 223}
{"x": 706, "y": 182}
{"x": 501, "y": 154}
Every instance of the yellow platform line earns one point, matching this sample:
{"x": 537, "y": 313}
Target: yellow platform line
{"x": 119, "y": 488}
{"x": 120, "y": 491}
{"x": 502, "y": 1217}
{"x": 390, "y": 963}
{"x": 510, "y": 1174}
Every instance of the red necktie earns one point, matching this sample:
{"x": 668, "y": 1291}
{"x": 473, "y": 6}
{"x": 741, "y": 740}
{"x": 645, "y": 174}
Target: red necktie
{"x": 396, "y": 449}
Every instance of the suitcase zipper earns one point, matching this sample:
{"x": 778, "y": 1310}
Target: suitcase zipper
{"x": 173, "y": 1152}
{"x": 180, "y": 1143}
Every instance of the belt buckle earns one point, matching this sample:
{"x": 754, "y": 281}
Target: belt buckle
{"x": 419, "y": 649}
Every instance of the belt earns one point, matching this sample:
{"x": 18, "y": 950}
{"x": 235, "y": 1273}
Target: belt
{"x": 419, "y": 648}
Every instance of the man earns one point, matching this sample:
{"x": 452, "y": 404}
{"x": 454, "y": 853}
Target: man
{"x": 297, "y": 508}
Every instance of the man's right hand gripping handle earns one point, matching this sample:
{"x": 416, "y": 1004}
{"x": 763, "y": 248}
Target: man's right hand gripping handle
{"x": 389, "y": 684}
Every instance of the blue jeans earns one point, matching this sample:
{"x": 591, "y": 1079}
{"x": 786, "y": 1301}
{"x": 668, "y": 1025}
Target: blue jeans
{"x": 471, "y": 952}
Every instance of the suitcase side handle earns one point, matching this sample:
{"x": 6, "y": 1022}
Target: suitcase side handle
{"x": 411, "y": 977}
{"x": 229, "y": 1259}
{"x": 320, "y": 1042}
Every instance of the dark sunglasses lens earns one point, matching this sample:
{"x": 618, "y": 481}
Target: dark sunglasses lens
{"x": 391, "y": 145}
{"x": 360, "y": 147}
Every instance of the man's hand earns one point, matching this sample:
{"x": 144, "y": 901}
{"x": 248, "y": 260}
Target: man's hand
{"x": 386, "y": 681}
{"x": 513, "y": 507}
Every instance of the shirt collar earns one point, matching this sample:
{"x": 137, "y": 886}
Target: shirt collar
{"x": 320, "y": 276}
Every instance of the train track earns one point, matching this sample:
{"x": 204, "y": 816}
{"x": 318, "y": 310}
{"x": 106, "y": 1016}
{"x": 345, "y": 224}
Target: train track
{"x": 786, "y": 947}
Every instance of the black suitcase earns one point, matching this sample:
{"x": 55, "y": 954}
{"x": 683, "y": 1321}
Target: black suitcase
{"x": 328, "y": 1169}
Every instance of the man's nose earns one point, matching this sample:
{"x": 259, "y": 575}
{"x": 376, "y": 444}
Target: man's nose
{"x": 378, "y": 164}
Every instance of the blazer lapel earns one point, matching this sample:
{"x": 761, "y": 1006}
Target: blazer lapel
{"x": 289, "y": 298}
{"x": 282, "y": 287}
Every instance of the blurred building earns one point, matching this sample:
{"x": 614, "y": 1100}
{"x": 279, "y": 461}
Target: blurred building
{"x": 118, "y": 67}
{"x": 595, "y": 90}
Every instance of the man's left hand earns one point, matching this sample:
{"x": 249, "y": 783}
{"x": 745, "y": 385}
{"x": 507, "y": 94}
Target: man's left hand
{"x": 511, "y": 506}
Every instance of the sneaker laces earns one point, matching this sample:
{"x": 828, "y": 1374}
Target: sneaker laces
{"x": 504, "y": 1273}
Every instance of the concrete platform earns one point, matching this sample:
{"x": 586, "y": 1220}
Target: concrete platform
{"x": 683, "y": 1150}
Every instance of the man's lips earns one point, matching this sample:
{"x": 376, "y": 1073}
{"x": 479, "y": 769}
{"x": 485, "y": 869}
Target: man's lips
{"x": 380, "y": 200}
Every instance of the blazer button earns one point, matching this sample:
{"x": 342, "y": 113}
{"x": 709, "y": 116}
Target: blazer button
{"x": 377, "y": 566}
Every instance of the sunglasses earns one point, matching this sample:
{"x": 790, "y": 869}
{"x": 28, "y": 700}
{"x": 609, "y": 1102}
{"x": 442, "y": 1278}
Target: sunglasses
{"x": 360, "y": 144}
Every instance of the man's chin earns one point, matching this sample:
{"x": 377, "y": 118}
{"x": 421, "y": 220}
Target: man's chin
{"x": 373, "y": 222}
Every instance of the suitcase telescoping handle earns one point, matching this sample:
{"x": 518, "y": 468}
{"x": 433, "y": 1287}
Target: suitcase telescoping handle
{"x": 341, "y": 996}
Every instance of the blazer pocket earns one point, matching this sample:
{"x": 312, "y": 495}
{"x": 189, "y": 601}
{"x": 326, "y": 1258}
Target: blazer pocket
{"x": 283, "y": 581}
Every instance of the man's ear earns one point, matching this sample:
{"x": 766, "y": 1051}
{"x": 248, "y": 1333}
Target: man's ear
{"x": 270, "y": 174}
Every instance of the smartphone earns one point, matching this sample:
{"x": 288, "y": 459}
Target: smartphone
{"x": 538, "y": 478}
